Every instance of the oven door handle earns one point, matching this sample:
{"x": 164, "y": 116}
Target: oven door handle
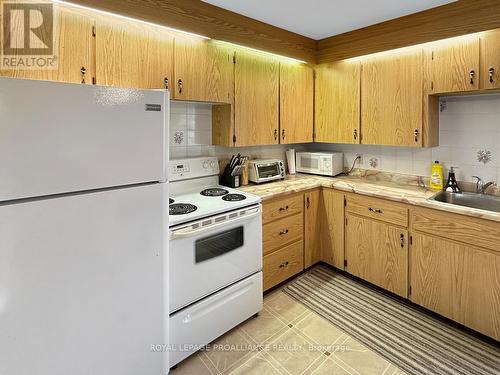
{"x": 186, "y": 233}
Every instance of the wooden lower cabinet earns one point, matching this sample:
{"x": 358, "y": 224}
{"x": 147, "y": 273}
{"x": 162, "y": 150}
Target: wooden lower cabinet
{"x": 283, "y": 264}
{"x": 377, "y": 252}
{"x": 332, "y": 227}
{"x": 458, "y": 281}
{"x": 312, "y": 227}
{"x": 282, "y": 232}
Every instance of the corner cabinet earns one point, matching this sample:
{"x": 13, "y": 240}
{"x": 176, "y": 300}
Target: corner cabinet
{"x": 203, "y": 70}
{"x": 135, "y": 55}
{"x": 337, "y": 102}
{"x": 296, "y": 103}
{"x": 75, "y": 50}
{"x": 256, "y": 99}
{"x": 312, "y": 227}
{"x": 332, "y": 227}
{"x": 391, "y": 99}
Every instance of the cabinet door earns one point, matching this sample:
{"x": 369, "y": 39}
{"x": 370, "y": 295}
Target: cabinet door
{"x": 490, "y": 60}
{"x": 256, "y": 99}
{"x": 332, "y": 227}
{"x": 337, "y": 103}
{"x": 296, "y": 103}
{"x": 132, "y": 54}
{"x": 73, "y": 28}
{"x": 312, "y": 225}
{"x": 391, "y": 99}
{"x": 454, "y": 65}
{"x": 203, "y": 70}
{"x": 378, "y": 253}
{"x": 458, "y": 281}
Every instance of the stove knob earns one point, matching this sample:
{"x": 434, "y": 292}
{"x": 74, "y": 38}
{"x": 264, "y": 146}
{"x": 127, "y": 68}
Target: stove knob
{"x": 205, "y": 164}
{"x": 212, "y": 164}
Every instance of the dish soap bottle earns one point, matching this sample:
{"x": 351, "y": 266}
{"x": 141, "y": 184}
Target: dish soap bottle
{"x": 436, "y": 176}
{"x": 452, "y": 185}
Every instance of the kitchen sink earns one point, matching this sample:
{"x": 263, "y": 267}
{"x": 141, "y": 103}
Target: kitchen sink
{"x": 472, "y": 200}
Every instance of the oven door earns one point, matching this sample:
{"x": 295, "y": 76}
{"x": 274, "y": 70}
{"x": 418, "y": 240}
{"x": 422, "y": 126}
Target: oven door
{"x": 210, "y": 254}
{"x": 308, "y": 163}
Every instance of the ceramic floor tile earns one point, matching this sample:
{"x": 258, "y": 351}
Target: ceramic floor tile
{"x": 286, "y": 308}
{"x": 260, "y": 364}
{"x": 194, "y": 365}
{"x": 264, "y": 327}
{"x": 359, "y": 359}
{"x": 330, "y": 367}
{"x": 293, "y": 352}
{"x": 231, "y": 350}
{"x": 320, "y": 331}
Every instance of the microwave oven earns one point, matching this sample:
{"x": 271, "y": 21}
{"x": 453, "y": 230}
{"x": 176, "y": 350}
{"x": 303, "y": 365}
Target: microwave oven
{"x": 265, "y": 170}
{"x": 321, "y": 163}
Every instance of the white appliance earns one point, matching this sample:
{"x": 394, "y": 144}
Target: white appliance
{"x": 82, "y": 243}
{"x": 260, "y": 171}
{"x": 320, "y": 163}
{"x": 215, "y": 256}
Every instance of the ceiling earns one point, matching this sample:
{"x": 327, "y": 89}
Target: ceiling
{"x": 319, "y": 19}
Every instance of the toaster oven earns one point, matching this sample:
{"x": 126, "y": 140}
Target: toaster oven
{"x": 265, "y": 170}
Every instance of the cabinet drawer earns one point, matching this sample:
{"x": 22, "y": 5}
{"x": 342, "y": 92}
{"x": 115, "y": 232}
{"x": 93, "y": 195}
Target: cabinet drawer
{"x": 378, "y": 209}
{"x": 283, "y": 264}
{"x": 282, "y": 207}
{"x": 468, "y": 230}
{"x": 281, "y": 232}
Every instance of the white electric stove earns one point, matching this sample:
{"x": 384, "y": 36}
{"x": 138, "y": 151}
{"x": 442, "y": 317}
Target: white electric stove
{"x": 215, "y": 256}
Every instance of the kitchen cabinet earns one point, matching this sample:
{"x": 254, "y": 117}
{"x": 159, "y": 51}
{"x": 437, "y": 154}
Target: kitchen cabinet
{"x": 337, "y": 102}
{"x": 377, "y": 252}
{"x": 332, "y": 227}
{"x": 312, "y": 227}
{"x": 256, "y": 99}
{"x": 203, "y": 70}
{"x": 490, "y": 60}
{"x": 453, "y": 65}
{"x": 296, "y": 103}
{"x": 283, "y": 264}
{"x": 133, "y": 54}
{"x": 391, "y": 99}
{"x": 75, "y": 53}
{"x": 458, "y": 281}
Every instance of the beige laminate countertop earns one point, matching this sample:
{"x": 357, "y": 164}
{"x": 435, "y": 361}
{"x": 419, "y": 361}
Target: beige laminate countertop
{"x": 409, "y": 194}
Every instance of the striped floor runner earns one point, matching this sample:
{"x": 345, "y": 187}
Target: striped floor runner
{"x": 410, "y": 339}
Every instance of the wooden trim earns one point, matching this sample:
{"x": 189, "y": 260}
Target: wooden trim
{"x": 205, "y": 19}
{"x": 450, "y": 20}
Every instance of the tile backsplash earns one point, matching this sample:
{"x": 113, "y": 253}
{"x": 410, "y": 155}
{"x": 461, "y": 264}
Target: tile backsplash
{"x": 469, "y": 140}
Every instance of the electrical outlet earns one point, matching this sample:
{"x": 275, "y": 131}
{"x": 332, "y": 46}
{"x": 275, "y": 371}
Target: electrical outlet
{"x": 360, "y": 161}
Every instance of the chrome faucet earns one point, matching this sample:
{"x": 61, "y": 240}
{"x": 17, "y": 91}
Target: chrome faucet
{"x": 481, "y": 186}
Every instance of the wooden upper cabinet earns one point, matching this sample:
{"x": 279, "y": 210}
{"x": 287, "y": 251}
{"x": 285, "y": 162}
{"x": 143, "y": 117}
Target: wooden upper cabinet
{"x": 391, "y": 99}
{"x": 490, "y": 60}
{"x": 378, "y": 253}
{"x": 74, "y": 46}
{"x": 256, "y": 101}
{"x": 453, "y": 65}
{"x": 203, "y": 70}
{"x": 132, "y": 54}
{"x": 458, "y": 281}
{"x": 337, "y": 102}
{"x": 296, "y": 103}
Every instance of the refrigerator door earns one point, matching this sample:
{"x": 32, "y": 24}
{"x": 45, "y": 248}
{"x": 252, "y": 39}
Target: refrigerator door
{"x": 61, "y": 137}
{"x": 81, "y": 284}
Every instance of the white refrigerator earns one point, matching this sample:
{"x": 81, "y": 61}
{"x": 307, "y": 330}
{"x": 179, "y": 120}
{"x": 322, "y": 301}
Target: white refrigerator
{"x": 83, "y": 218}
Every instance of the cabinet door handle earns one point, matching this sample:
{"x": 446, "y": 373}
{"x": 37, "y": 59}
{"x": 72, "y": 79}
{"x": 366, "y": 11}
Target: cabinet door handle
{"x": 355, "y": 134}
{"x": 283, "y": 232}
{"x": 83, "y": 70}
{"x": 275, "y": 134}
{"x": 180, "y": 86}
{"x": 377, "y": 211}
{"x": 472, "y": 73}
{"x": 308, "y": 202}
{"x": 491, "y": 72}
{"x": 283, "y": 134}
{"x": 283, "y": 208}
{"x": 402, "y": 240}
{"x": 166, "y": 83}
{"x": 416, "y": 134}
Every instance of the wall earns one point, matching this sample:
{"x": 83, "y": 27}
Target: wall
{"x": 468, "y": 125}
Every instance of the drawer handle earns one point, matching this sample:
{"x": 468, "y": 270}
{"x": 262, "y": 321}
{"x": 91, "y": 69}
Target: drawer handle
{"x": 283, "y": 209}
{"x": 491, "y": 72}
{"x": 283, "y": 232}
{"x": 377, "y": 211}
{"x": 283, "y": 265}
{"x": 402, "y": 240}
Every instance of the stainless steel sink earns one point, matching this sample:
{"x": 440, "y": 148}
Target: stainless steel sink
{"x": 473, "y": 200}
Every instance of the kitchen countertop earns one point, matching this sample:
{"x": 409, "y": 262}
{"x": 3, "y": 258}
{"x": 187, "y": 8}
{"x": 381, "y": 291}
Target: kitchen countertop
{"x": 379, "y": 185}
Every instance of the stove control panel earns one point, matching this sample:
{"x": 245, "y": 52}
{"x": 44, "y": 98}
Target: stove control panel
{"x": 184, "y": 169}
